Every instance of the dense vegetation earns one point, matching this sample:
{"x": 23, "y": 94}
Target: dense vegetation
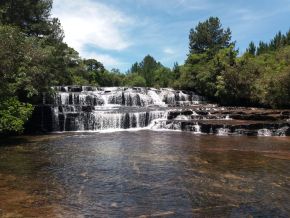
{"x": 33, "y": 57}
{"x": 261, "y": 76}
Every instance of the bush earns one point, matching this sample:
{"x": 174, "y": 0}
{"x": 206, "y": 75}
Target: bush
{"x": 13, "y": 115}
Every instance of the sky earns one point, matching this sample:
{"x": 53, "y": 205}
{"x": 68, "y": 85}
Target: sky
{"x": 120, "y": 32}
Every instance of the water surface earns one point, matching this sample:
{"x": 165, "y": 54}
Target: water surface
{"x": 144, "y": 173}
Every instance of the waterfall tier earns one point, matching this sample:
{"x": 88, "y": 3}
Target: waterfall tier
{"x": 86, "y": 108}
{"x": 122, "y": 96}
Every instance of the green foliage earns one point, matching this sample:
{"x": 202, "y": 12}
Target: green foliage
{"x": 33, "y": 57}
{"x": 147, "y": 68}
{"x": 213, "y": 69}
{"x": 176, "y": 71}
{"x": 279, "y": 41}
{"x": 152, "y": 72}
{"x": 252, "y": 48}
{"x": 133, "y": 79}
{"x": 209, "y": 35}
{"x": 113, "y": 78}
{"x": 21, "y": 59}
{"x": 13, "y": 115}
{"x": 272, "y": 85}
{"x": 32, "y": 17}
{"x": 163, "y": 77}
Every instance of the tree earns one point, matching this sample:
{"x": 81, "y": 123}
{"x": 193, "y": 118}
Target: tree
{"x": 287, "y": 36}
{"x": 93, "y": 65}
{"x": 252, "y": 49}
{"x": 209, "y": 36}
{"x": 22, "y": 68}
{"x": 135, "y": 68}
{"x": 262, "y": 48}
{"x": 147, "y": 68}
{"x": 277, "y": 42}
{"x": 133, "y": 79}
{"x": 32, "y": 17}
{"x": 176, "y": 70}
{"x": 13, "y": 115}
{"x": 163, "y": 77}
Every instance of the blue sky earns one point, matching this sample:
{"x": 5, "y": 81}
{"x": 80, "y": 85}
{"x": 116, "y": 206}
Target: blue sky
{"x": 121, "y": 32}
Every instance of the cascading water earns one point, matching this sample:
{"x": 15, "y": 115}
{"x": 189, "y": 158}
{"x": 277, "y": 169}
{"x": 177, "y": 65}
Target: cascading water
{"x": 92, "y": 109}
{"x": 85, "y": 108}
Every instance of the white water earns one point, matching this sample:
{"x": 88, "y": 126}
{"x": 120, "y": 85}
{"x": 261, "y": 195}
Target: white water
{"x": 93, "y": 109}
{"x": 264, "y": 132}
{"x": 223, "y": 132}
{"x": 197, "y": 128}
{"x": 129, "y": 109}
{"x": 157, "y": 99}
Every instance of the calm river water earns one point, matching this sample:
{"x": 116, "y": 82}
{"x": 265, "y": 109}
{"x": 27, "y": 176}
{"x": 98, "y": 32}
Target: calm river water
{"x": 144, "y": 174}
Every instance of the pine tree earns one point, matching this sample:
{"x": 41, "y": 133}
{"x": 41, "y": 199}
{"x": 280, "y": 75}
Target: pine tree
{"x": 209, "y": 35}
{"x": 252, "y": 49}
{"x": 262, "y": 48}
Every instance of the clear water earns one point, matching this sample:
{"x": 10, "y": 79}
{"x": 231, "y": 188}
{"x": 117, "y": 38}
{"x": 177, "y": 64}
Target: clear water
{"x": 144, "y": 174}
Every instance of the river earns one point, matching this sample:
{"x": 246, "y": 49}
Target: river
{"x": 144, "y": 174}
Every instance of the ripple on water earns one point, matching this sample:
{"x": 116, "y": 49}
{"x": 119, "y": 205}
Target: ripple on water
{"x": 145, "y": 174}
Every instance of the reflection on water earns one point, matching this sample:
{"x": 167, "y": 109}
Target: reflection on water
{"x": 145, "y": 173}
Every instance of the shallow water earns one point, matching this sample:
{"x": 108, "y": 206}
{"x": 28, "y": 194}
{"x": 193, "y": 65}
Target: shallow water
{"x": 144, "y": 173}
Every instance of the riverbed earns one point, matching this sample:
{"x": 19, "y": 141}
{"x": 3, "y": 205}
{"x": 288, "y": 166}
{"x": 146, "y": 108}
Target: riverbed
{"x": 144, "y": 174}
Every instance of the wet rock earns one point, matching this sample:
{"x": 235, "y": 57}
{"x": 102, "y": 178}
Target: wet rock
{"x": 285, "y": 113}
{"x": 87, "y": 109}
{"x": 284, "y": 131}
{"x": 202, "y": 113}
{"x": 246, "y": 132}
{"x": 174, "y": 114}
{"x": 75, "y": 89}
{"x": 253, "y": 117}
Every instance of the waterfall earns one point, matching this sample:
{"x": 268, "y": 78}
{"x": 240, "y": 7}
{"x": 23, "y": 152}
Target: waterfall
{"x": 85, "y": 108}
{"x": 197, "y": 128}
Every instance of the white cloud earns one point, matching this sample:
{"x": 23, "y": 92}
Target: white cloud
{"x": 105, "y": 59}
{"x": 88, "y": 22}
{"x": 168, "y": 51}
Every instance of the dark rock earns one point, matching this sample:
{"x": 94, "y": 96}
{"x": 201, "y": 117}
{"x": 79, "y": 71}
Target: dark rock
{"x": 87, "y": 109}
{"x": 257, "y": 117}
{"x": 41, "y": 120}
{"x": 282, "y": 131}
{"x": 202, "y": 113}
{"x": 285, "y": 113}
{"x": 75, "y": 89}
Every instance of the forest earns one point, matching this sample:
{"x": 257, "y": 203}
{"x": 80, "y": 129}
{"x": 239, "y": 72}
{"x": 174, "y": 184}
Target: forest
{"x": 34, "y": 57}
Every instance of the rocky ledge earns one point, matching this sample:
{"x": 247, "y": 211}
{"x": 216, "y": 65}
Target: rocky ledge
{"x": 229, "y": 121}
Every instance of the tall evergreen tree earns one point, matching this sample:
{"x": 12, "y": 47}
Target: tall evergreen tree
{"x": 277, "y": 41}
{"x": 176, "y": 70}
{"x": 147, "y": 68}
{"x": 288, "y": 38}
{"x": 262, "y": 48}
{"x": 135, "y": 68}
{"x": 252, "y": 49}
{"x": 209, "y": 35}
